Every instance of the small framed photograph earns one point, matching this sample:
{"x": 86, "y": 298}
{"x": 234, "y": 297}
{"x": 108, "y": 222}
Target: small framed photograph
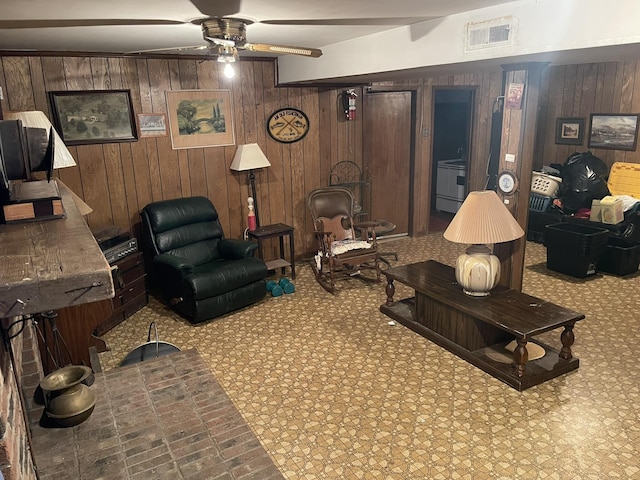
{"x": 514, "y": 96}
{"x": 93, "y": 116}
{"x": 569, "y": 131}
{"x": 614, "y": 131}
{"x": 200, "y": 118}
{"x": 152, "y": 124}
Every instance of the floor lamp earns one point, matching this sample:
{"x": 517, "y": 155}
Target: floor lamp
{"x": 249, "y": 157}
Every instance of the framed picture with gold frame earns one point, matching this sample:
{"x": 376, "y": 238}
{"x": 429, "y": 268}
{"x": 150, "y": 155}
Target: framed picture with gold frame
{"x": 200, "y": 118}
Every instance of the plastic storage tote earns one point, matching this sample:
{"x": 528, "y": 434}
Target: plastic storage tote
{"x": 574, "y": 249}
{"x": 620, "y": 257}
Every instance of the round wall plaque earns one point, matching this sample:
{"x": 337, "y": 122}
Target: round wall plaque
{"x": 507, "y": 182}
{"x": 288, "y": 125}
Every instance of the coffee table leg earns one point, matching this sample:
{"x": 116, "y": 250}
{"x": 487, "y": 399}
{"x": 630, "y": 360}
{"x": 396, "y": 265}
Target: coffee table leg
{"x": 520, "y": 356}
{"x": 567, "y": 338}
{"x": 390, "y": 290}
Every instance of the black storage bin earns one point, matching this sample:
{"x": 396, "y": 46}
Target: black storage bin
{"x": 537, "y": 222}
{"x": 620, "y": 257}
{"x": 574, "y": 249}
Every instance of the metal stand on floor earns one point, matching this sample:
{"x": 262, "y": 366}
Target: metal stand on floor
{"x": 56, "y": 348}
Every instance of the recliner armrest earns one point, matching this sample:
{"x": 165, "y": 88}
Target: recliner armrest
{"x": 234, "y": 248}
{"x": 171, "y": 262}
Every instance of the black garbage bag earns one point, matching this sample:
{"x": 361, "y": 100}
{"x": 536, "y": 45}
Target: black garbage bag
{"x": 584, "y": 178}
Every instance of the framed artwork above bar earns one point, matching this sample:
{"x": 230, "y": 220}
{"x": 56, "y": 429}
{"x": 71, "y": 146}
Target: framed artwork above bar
{"x": 200, "y": 118}
{"x": 84, "y": 117}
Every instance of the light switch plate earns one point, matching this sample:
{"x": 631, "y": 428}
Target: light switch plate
{"x": 509, "y": 157}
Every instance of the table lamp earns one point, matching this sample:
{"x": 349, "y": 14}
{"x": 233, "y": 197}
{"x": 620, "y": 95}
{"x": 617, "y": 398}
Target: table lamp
{"x": 482, "y": 219}
{"x": 36, "y": 119}
{"x": 249, "y": 157}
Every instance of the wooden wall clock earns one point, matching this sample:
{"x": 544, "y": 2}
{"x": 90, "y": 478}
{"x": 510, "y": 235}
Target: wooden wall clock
{"x": 288, "y": 125}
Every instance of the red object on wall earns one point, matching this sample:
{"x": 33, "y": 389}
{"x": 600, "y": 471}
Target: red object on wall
{"x": 349, "y": 104}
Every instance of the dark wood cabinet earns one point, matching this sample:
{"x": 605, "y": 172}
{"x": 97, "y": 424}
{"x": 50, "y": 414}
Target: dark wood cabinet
{"x": 130, "y": 291}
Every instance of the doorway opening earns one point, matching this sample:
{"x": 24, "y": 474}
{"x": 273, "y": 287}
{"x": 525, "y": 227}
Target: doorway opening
{"x": 452, "y": 121}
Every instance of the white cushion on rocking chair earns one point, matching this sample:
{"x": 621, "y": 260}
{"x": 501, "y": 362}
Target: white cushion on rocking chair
{"x": 342, "y": 246}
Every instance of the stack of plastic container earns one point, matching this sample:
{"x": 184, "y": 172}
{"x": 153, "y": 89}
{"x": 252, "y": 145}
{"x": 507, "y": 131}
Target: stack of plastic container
{"x": 544, "y": 188}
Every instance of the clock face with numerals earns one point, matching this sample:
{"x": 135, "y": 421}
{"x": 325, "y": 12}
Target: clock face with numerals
{"x": 507, "y": 182}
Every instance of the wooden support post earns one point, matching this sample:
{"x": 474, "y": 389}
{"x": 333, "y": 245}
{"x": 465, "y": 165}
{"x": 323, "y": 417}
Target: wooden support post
{"x": 522, "y": 90}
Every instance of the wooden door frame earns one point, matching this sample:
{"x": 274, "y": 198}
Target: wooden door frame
{"x": 471, "y": 133}
{"x": 416, "y": 93}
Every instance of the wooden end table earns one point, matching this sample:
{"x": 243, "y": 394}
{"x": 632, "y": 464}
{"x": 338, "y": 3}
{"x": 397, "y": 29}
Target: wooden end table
{"x": 277, "y": 230}
{"x": 474, "y": 328}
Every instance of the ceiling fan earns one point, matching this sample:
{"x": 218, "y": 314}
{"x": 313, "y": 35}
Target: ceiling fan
{"x": 224, "y": 33}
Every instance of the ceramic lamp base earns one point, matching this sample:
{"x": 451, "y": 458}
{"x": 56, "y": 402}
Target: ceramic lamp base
{"x": 477, "y": 271}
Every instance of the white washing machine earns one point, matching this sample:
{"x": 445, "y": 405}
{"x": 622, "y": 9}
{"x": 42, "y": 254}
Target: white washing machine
{"x": 451, "y": 182}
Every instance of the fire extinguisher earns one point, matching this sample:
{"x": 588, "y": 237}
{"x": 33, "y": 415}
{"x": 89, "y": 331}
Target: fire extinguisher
{"x": 349, "y": 104}
{"x": 251, "y": 218}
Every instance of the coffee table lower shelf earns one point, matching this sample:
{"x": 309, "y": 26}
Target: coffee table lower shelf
{"x": 537, "y": 371}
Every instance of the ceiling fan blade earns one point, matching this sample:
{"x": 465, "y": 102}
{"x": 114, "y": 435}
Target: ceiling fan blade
{"x": 105, "y": 22}
{"x": 221, "y": 41}
{"x": 351, "y": 21}
{"x": 169, "y": 49}
{"x": 217, "y": 8}
{"x": 263, "y": 47}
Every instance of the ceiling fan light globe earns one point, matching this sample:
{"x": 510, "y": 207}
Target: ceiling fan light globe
{"x": 229, "y": 71}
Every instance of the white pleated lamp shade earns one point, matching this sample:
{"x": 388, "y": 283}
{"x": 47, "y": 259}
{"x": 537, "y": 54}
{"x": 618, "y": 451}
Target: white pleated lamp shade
{"x": 483, "y": 219}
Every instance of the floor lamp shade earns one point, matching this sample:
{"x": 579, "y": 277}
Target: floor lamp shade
{"x": 247, "y": 158}
{"x": 482, "y": 220}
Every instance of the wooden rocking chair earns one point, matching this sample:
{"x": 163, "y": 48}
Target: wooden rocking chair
{"x": 340, "y": 252}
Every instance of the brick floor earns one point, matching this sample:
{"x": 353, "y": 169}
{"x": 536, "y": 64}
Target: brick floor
{"x": 162, "y": 418}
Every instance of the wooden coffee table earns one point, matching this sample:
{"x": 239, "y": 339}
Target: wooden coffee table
{"x": 476, "y": 328}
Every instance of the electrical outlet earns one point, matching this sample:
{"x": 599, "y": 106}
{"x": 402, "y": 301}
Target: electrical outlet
{"x": 510, "y": 157}
{"x": 426, "y": 132}
{"x": 1, "y": 97}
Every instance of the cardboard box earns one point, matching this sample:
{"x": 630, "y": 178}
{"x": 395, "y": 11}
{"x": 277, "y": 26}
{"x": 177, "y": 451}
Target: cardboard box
{"x": 611, "y": 210}
{"x": 595, "y": 215}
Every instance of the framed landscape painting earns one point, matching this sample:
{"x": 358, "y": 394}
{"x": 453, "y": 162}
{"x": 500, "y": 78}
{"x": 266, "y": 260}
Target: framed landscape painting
{"x": 570, "y": 131}
{"x": 93, "y": 116}
{"x": 613, "y": 131}
{"x": 200, "y": 118}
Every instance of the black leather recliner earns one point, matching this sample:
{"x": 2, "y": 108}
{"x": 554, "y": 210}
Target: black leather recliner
{"x": 202, "y": 274}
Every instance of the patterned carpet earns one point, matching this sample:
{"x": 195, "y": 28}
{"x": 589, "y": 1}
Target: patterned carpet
{"x": 333, "y": 391}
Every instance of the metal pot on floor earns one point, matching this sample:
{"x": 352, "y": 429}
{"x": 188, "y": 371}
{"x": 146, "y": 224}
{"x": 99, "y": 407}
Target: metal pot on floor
{"x": 149, "y": 350}
{"x": 68, "y": 401}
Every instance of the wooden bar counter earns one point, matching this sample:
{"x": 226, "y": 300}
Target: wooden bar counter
{"x": 51, "y": 264}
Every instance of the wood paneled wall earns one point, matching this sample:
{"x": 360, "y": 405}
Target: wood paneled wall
{"x": 579, "y": 91}
{"x": 118, "y": 179}
{"x": 338, "y": 135}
